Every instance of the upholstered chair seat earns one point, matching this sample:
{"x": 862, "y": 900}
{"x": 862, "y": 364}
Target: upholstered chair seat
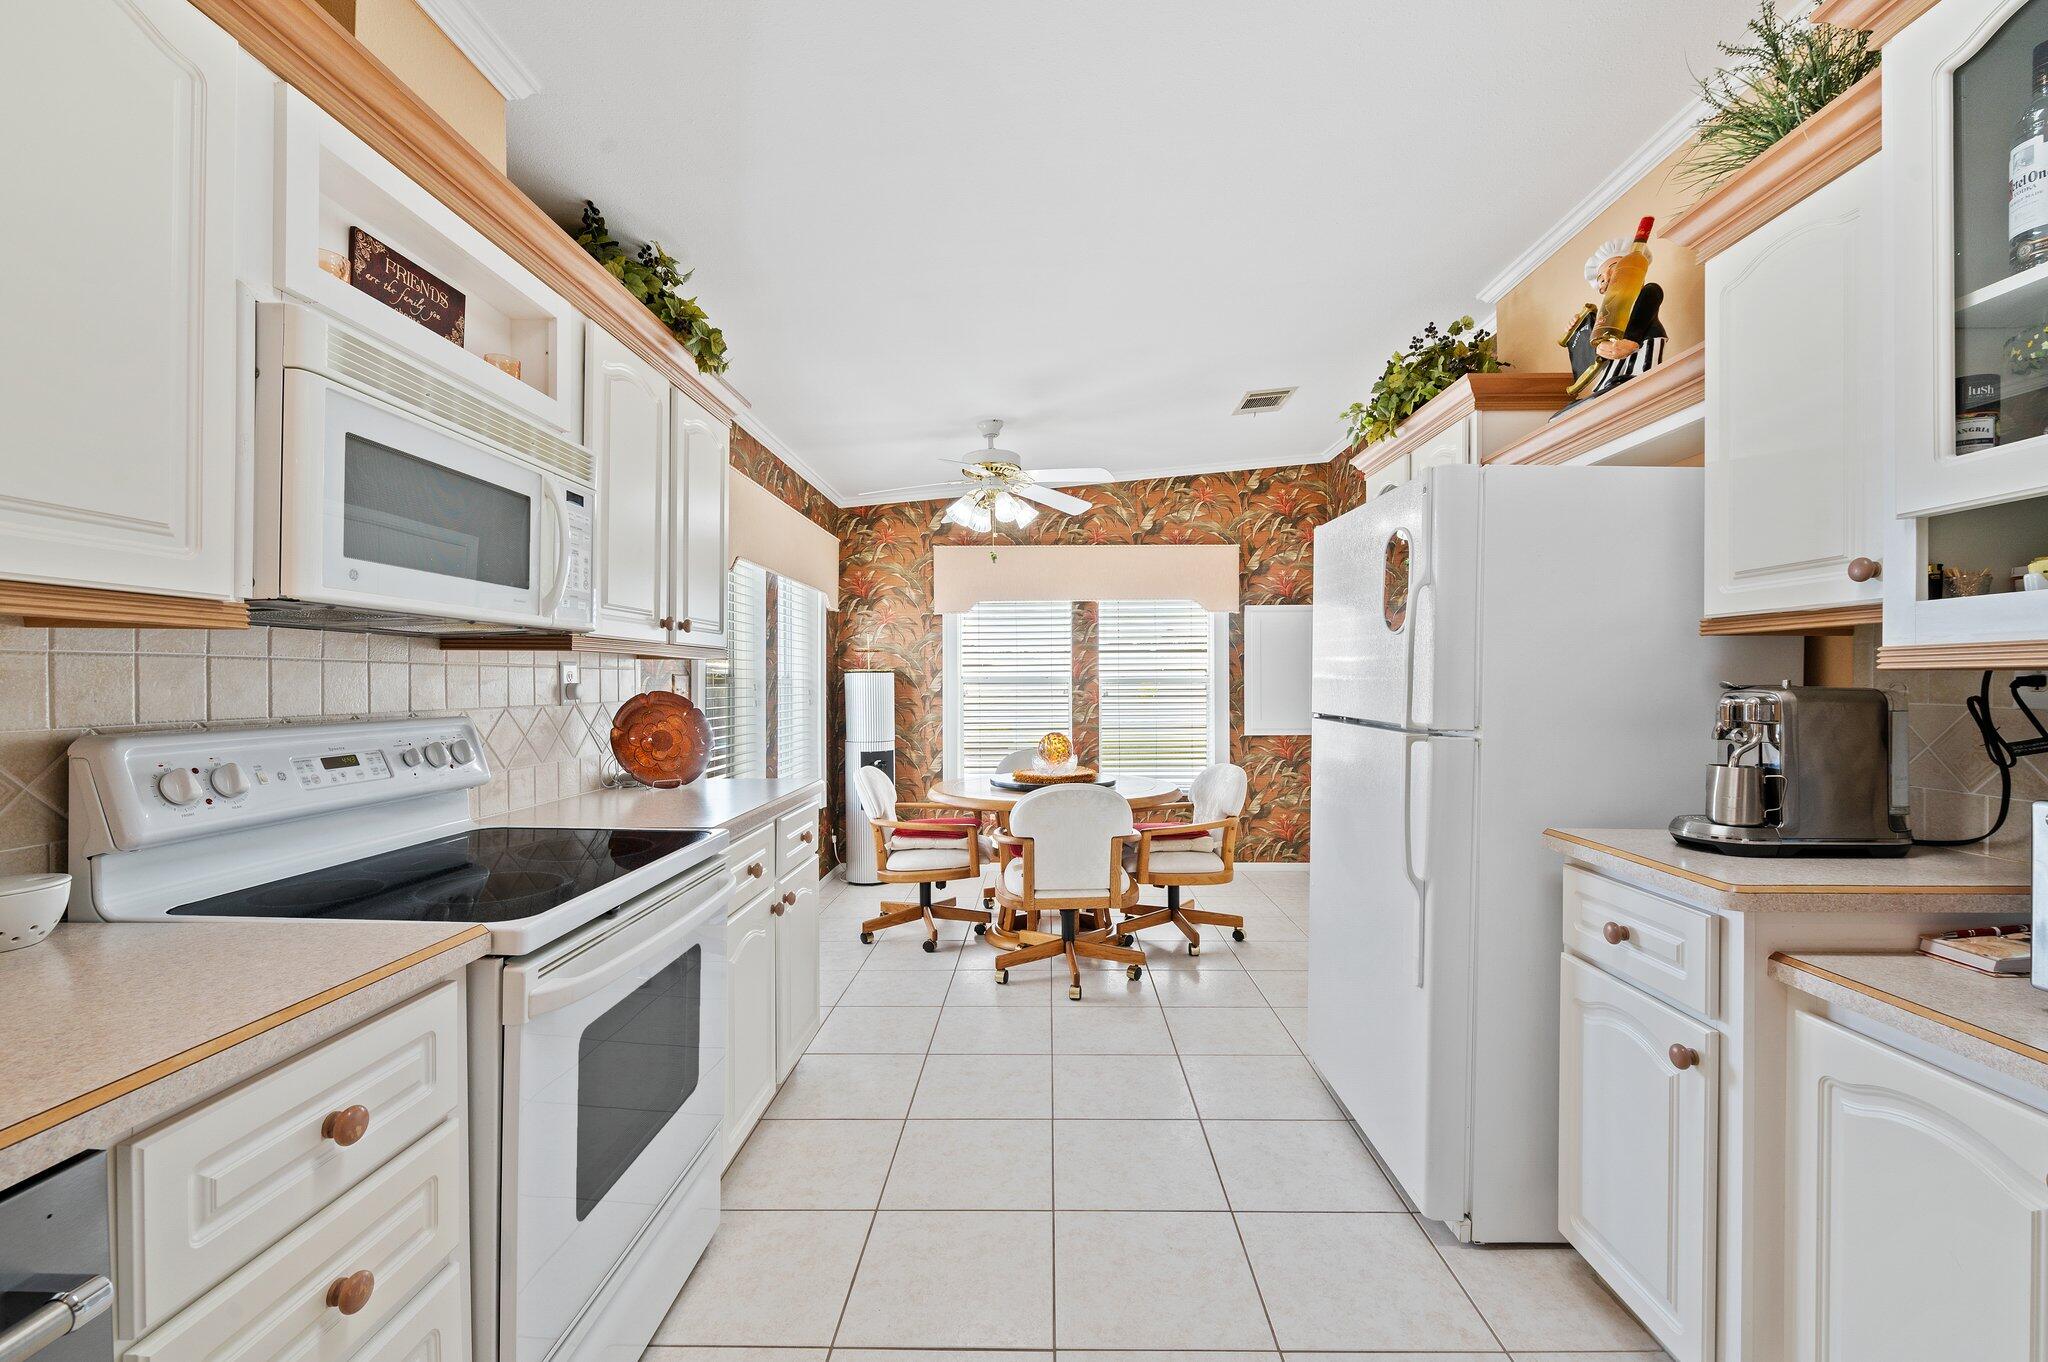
{"x": 1175, "y": 856}
{"x": 925, "y": 852}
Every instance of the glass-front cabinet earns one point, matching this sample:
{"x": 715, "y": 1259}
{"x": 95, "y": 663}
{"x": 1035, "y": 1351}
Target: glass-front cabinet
{"x": 1966, "y": 153}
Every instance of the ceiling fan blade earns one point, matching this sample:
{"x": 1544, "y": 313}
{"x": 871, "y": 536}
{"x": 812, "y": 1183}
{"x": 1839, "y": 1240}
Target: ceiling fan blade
{"x": 1067, "y": 477}
{"x": 1058, "y": 501}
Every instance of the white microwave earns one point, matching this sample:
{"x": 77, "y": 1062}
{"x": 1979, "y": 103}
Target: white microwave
{"x": 389, "y": 497}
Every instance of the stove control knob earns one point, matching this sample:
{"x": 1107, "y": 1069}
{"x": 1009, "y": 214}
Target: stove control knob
{"x": 437, "y": 754}
{"x": 463, "y": 753}
{"x": 179, "y": 787}
{"x": 409, "y": 755}
{"x": 229, "y": 781}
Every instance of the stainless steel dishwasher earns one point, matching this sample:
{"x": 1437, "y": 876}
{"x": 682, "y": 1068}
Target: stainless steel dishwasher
{"x": 55, "y": 1264}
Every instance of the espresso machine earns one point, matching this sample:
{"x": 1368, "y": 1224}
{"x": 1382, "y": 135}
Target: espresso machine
{"x": 1804, "y": 770}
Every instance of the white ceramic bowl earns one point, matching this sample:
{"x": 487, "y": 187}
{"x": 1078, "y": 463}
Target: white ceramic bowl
{"x": 30, "y": 905}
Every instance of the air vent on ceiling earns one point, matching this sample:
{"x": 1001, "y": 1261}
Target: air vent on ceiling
{"x": 1262, "y": 399}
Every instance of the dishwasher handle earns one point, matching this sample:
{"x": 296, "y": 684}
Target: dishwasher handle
{"x": 65, "y": 1311}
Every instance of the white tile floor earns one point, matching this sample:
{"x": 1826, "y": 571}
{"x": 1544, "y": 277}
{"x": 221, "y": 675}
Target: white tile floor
{"x": 958, "y": 1170}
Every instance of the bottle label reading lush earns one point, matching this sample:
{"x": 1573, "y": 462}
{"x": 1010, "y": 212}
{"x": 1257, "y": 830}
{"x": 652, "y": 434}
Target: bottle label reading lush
{"x": 2027, "y": 188}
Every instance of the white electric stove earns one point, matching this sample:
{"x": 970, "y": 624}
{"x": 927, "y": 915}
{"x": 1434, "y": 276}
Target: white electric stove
{"x": 597, "y": 1025}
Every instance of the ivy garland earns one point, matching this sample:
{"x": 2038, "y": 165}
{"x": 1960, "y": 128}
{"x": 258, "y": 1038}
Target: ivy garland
{"x": 651, "y": 276}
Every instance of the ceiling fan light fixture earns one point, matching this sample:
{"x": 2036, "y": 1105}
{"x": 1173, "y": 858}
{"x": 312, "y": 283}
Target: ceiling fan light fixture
{"x": 1012, "y": 510}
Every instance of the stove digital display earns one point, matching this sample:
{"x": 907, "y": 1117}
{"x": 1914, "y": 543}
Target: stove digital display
{"x": 340, "y": 763}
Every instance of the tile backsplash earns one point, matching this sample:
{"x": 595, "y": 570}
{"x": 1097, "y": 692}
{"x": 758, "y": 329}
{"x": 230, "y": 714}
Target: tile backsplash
{"x": 58, "y": 683}
{"x": 1954, "y": 784}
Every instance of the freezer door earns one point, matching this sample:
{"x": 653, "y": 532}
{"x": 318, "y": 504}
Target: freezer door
{"x": 1390, "y": 949}
{"x": 1395, "y": 621}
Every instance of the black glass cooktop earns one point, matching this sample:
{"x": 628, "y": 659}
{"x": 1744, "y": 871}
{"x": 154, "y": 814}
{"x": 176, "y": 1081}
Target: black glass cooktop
{"x": 484, "y": 875}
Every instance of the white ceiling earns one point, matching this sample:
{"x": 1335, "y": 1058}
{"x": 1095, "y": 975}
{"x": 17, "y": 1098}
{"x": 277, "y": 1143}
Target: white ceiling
{"x": 1101, "y": 220}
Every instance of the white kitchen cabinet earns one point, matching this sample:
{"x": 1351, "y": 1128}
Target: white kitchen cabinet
{"x": 796, "y": 964}
{"x": 1794, "y": 406}
{"x": 626, "y": 418}
{"x": 701, "y": 446}
{"x": 117, "y": 446}
{"x": 750, "y": 1017}
{"x": 1637, "y": 1101}
{"x": 1918, "y": 1208}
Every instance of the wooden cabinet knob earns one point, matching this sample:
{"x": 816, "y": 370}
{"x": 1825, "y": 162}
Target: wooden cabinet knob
{"x": 789, "y": 900}
{"x": 346, "y": 1126}
{"x": 683, "y": 624}
{"x": 754, "y": 871}
{"x": 667, "y": 623}
{"x": 807, "y": 836}
{"x": 1865, "y": 569}
{"x": 351, "y": 1293}
{"x": 1683, "y": 1056}
{"x": 1614, "y": 933}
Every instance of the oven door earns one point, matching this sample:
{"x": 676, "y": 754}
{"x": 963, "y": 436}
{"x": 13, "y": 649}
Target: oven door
{"x": 383, "y": 510}
{"x": 614, "y": 1041}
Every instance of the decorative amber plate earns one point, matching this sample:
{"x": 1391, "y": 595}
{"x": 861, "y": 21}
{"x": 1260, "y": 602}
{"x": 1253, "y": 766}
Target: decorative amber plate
{"x": 661, "y": 739}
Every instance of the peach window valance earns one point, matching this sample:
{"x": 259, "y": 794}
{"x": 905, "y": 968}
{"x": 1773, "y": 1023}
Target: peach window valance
{"x": 767, "y": 531}
{"x": 963, "y": 576}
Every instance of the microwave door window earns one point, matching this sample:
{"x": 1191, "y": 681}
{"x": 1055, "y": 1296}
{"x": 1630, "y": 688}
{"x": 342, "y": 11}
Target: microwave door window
{"x": 405, "y": 512}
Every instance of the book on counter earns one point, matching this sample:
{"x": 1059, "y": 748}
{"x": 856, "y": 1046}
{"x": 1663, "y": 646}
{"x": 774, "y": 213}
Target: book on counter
{"x": 1991, "y": 950}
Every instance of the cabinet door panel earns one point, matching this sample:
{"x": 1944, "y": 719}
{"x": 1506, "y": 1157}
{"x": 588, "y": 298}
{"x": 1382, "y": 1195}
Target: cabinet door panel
{"x": 750, "y": 1019}
{"x": 1918, "y": 1206}
{"x": 1636, "y": 1154}
{"x": 796, "y": 966}
{"x": 626, "y": 417}
{"x": 117, "y": 442}
{"x": 1793, "y": 426}
{"x": 698, "y": 554}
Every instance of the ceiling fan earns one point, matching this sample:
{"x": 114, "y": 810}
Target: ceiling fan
{"x": 1000, "y": 488}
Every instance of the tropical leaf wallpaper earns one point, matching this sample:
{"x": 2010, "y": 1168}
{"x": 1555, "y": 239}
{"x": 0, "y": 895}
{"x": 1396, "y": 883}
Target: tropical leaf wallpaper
{"x": 885, "y": 618}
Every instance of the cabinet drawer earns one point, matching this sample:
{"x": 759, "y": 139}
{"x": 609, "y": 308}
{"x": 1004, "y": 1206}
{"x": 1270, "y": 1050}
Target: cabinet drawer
{"x": 1667, "y": 948}
{"x": 796, "y": 839}
{"x": 198, "y": 1197}
{"x": 752, "y": 859}
{"x": 401, "y": 1225}
{"x": 431, "y": 1327}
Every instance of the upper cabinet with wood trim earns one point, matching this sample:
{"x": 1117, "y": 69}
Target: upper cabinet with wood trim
{"x": 1794, "y": 419}
{"x": 1966, "y": 204}
{"x": 1468, "y": 422}
{"x": 117, "y": 433}
{"x": 700, "y": 448}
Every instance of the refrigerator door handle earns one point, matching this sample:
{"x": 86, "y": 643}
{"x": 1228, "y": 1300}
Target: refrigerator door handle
{"x": 1419, "y": 882}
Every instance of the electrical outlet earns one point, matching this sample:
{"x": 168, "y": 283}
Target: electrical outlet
{"x": 572, "y": 678}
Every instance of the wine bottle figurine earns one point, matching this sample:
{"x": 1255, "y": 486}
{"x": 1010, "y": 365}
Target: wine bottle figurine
{"x": 1617, "y": 337}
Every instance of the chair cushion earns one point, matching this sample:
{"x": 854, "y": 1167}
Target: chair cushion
{"x": 1013, "y": 881}
{"x": 1177, "y": 862}
{"x": 953, "y": 831}
{"x": 942, "y": 858}
{"x": 1164, "y": 836}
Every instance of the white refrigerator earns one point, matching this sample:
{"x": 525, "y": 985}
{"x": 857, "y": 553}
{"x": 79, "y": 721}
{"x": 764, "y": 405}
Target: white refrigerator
{"x": 1496, "y": 651}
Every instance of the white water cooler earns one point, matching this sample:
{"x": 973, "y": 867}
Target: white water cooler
{"x": 870, "y": 741}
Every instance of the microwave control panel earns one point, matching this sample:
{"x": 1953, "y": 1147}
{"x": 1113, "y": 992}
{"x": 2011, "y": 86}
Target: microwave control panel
{"x": 578, "y": 592}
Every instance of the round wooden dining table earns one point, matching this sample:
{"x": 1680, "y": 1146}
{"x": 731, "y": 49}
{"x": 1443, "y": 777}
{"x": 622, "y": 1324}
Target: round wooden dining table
{"x": 982, "y": 794}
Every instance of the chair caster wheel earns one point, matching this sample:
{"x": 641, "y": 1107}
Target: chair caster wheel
{"x": 1126, "y": 940}
{"x": 1002, "y": 976}
{"x": 930, "y": 945}
{"x": 1134, "y": 971}
{"x": 1237, "y": 933}
{"x": 981, "y": 929}
{"x": 867, "y": 938}
{"x": 1194, "y": 949}
{"x": 1074, "y": 992}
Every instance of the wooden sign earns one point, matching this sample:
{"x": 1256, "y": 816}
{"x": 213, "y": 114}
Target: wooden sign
{"x": 399, "y": 284}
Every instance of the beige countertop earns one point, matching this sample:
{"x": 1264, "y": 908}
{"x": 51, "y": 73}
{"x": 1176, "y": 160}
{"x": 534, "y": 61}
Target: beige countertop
{"x": 1926, "y": 880}
{"x": 2000, "y": 1021}
{"x": 105, "y": 1029}
{"x": 732, "y": 804}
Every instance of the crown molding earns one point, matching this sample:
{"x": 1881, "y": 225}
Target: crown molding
{"x": 774, "y": 444}
{"x": 479, "y": 42}
{"x": 1662, "y": 143}
{"x": 946, "y": 491}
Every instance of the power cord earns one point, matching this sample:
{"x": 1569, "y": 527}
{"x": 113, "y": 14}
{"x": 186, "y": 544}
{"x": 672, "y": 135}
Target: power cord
{"x": 2003, "y": 754}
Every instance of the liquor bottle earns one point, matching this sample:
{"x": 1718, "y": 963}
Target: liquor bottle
{"x": 1626, "y": 273}
{"x": 2026, "y": 174}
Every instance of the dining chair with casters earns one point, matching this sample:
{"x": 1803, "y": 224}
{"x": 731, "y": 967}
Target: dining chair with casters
{"x": 993, "y": 823}
{"x": 1176, "y": 856}
{"x": 1064, "y": 853}
{"x": 924, "y": 851}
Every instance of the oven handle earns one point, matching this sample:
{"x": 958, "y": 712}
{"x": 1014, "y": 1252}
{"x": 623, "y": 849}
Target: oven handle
{"x": 535, "y": 994}
{"x": 557, "y": 533}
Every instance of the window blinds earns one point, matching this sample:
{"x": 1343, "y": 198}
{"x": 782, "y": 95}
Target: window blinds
{"x": 1015, "y": 668}
{"x": 1155, "y": 666}
{"x": 799, "y": 681}
{"x": 735, "y": 690}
